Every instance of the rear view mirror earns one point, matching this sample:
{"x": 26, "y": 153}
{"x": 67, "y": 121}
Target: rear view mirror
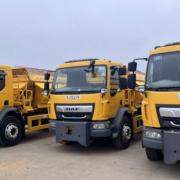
{"x": 132, "y": 66}
{"x": 47, "y": 76}
{"x": 122, "y": 71}
{"x": 122, "y": 83}
{"x": 46, "y": 88}
{"x": 46, "y": 83}
{"x": 132, "y": 81}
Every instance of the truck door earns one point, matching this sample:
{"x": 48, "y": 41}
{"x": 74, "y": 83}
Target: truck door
{"x": 115, "y": 93}
{"x": 6, "y": 92}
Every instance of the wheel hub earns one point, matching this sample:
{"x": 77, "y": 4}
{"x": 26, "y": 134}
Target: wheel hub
{"x": 11, "y": 131}
{"x": 127, "y": 132}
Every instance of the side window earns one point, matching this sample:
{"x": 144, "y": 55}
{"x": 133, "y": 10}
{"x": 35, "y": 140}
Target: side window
{"x": 2, "y": 80}
{"x": 150, "y": 72}
{"x": 114, "y": 80}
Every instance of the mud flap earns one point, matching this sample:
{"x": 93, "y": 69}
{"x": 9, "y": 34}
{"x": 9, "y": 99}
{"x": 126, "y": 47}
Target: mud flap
{"x": 171, "y": 149}
{"x": 73, "y": 131}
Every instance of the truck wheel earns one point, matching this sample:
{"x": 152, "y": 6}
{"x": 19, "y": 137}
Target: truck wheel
{"x": 10, "y": 131}
{"x": 154, "y": 154}
{"x": 125, "y": 134}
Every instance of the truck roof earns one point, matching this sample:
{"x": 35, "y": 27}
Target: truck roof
{"x": 85, "y": 62}
{"x": 171, "y": 47}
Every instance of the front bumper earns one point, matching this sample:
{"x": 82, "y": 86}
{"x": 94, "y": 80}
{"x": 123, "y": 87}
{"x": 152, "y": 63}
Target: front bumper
{"x": 169, "y": 144}
{"x": 81, "y": 132}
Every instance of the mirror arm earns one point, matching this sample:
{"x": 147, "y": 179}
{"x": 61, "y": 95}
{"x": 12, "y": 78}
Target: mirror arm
{"x": 140, "y": 59}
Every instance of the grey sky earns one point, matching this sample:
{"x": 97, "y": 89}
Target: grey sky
{"x": 44, "y": 33}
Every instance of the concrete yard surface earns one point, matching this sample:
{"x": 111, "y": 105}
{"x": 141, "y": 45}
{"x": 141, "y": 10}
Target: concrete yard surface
{"x": 39, "y": 157}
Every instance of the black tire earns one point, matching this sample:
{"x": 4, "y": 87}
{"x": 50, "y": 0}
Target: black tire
{"x": 123, "y": 140}
{"x": 154, "y": 154}
{"x": 11, "y": 131}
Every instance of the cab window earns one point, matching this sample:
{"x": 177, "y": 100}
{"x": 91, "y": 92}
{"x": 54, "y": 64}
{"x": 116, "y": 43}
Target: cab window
{"x": 114, "y": 80}
{"x": 2, "y": 80}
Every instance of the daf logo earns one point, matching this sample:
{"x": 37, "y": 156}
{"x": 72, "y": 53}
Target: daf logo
{"x": 72, "y": 109}
{"x": 80, "y": 108}
{"x": 72, "y": 97}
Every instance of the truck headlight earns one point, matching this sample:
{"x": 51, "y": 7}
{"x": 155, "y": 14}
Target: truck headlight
{"x": 100, "y": 125}
{"x": 152, "y": 134}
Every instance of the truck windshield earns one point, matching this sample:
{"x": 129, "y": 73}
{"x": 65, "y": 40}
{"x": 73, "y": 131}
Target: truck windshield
{"x": 163, "y": 71}
{"x": 79, "y": 79}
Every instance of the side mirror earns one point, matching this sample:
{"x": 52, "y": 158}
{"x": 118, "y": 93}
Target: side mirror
{"x": 122, "y": 71}
{"x": 132, "y": 66}
{"x": 132, "y": 81}
{"x": 47, "y": 76}
{"x": 122, "y": 83}
{"x": 46, "y": 88}
{"x": 46, "y": 84}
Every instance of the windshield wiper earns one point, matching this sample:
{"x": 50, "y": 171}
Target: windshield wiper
{"x": 77, "y": 91}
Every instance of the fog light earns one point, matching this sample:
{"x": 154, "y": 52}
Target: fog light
{"x": 152, "y": 134}
{"x": 99, "y": 126}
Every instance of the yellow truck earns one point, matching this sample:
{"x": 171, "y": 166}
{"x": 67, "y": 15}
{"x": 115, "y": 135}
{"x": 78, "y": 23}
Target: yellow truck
{"x": 161, "y": 104}
{"x": 23, "y": 107}
{"x": 89, "y": 99}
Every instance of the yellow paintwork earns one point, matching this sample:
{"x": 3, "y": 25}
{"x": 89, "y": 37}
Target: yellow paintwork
{"x": 38, "y": 118}
{"x": 136, "y": 126}
{"x": 165, "y": 49}
{"x": 7, "y": 93}
{"x": 149, "y": 103}
{"x": 153, "y": 98}
{"x": 23, "y": 89}
{"x": 86, "y": 63}
{"x": 106, "y": 106}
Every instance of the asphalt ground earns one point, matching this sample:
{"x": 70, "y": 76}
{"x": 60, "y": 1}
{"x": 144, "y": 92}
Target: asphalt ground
{"x": 39, "y": 157}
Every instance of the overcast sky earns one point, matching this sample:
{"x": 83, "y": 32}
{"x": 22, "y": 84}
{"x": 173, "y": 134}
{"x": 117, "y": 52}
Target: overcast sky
{"x": 45, "y": 33}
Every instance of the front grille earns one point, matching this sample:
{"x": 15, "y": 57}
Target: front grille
{"x": 74, "y": 116}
